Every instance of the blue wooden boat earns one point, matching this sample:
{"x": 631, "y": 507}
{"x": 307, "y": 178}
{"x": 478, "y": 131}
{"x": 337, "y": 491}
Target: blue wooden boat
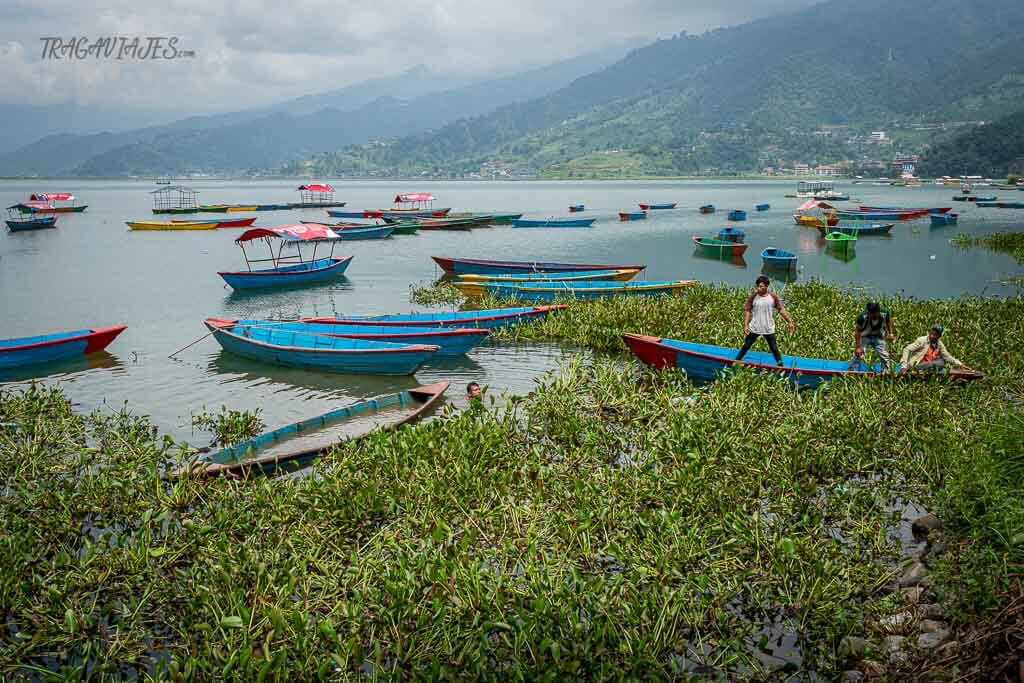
{"x": 285, "y": 276}
{"x": 707, "y": 208}
{"x": 731, "y": 234}
{"x": 763, "y": 207}
{"x": 737, "y": 215}
{"x": 549, "y": 291}
{"x": 451, "y": 341}
{"x": 292, "y": 269}
{"x": 367, "y": 233}
{"x": 461, "y": 266}
{"x": 1010, "y": 205}
{"x": 657, "y": 207}
{"x": 26, "y": 224}
{"x": 575, "y": 208}
{"x": 622, "y": 274}
{"x": 54, "y": 347}
{"x": 983, "y": 199}
{"x": 861, "y": 230}
{"x": 944, "y": 218}
{"x": 632, "y": 215}
{"x": 554, "y": 223}
{"x": 706, "y": 362}
{"x": 778, "y": 258}
{"x": 299, "y": 443}
{"x": 988, "y": 205}
{"x": 346, "y": 214}
{"x": 490, "y": 319}
{"x": 319, "y": 352}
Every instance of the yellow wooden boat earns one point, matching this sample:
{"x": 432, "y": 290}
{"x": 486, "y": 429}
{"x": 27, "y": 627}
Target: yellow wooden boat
{"x": 619, "y": 275}
{"x": 242, "y": 207}
{"x": 170, "y": 225}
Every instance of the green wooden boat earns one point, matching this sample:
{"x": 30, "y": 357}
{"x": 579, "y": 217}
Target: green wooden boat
{"x": 405, "y": 228}
{"x": 180, "y": 210}
{"x": 840, "y": 240}
{"x": 505, "y": 218}
{"x": 214, "y": 208}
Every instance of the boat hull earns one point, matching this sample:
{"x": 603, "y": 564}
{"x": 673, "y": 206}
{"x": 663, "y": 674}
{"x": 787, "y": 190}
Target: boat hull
{"x": 706, "y": 362}
{"x": 720, "y": 247}
{"x": 28, "y": 224}
{"x": 550, "y": 291}
{"x": 778, "y": 258}
{"x": 621, "y": 275}
{"x": 632, "y": 216}
{"x": 490, "y": 319}
{"x": 555, "y": 223}
{"x": 461, "y": 266}
{"x": 48, "y": 348}
{"x": 298, "y": 350}
{"x": 879, "y": 229}
{"x": 316, "y": 271}
{"x": 171, "y": 225}
{"x": 369, "y": 233}
{"x": 658, "y": 207}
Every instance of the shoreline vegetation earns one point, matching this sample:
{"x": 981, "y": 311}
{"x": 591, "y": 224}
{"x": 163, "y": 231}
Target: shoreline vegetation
{"x": 616, "y": 521}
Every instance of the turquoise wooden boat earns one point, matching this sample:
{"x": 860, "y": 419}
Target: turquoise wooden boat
{"x": 451, "y": 341}
{"x": 302, "y": 442}
{"x": 27, "y": 224}
{"x": 492, "y": 318}
{"x": 707, "y": 362}
{"x": 731, "y": 235}
{"x": 737, "y": 215}
{"x": 944, "y": 218}
{"x": 778, "y": 258}
{"x": 632, "y": 215}
{"x": 554, "y": 223}
{"x": 319, "y": 352}
{"x": 288, "y": 270}
{"x": 46, "y": 348}
{"x": 763, "y": 207}
{"x": 368, "y": 233}
{"x": 550, "y": 291}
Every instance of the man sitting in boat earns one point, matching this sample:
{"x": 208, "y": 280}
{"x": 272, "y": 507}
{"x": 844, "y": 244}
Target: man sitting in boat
{"x": 873, "y": 331}
{"x": 928, "y": 353}
{"x": 759, "y": 318}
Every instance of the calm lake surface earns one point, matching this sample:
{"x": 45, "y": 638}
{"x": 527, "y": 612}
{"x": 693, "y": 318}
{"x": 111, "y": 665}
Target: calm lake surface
{"x": 91, "y": 271}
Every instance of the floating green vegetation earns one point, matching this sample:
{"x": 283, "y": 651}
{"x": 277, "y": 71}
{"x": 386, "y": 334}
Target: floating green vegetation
{"x": 230, "y": 426}
{"x": 617, "y": 522}
{"x": 1007, "y": 242}
{"x": 440, "y": 293}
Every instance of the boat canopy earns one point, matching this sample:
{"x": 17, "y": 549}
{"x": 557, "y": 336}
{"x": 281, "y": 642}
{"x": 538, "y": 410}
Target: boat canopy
{"x": 814, "y": 204}
{"x": 315, "y": 187}
{"x": 53, "y": 197}
{"x": 35, "y": 204}
{"x": 410, "y": 197}
{"x": 304, "y": 232}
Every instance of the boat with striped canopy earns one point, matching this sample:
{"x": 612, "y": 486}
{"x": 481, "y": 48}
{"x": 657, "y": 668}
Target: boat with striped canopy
{"x": 621, "y": 275}
{"x": 490, "y": 319}
{"x": 290, "y": 269}
{"x": 713, "y": 247}
{"x": 557, "y": 289}
{"x": 46, "y": 348}
{"x": 554, "y": 223}
{"x": 302, "y": 442}
{"x": 707, "y": 362}
{"x": 55, "y": 202}
{"x": 461, "y": 266}
{"x": 410, "y": 205}
{"x": 318, "y": 351}
{"x": 451, "y": 341}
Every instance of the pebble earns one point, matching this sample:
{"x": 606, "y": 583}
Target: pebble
{"x": 894, "y": 643}
{"x": 913, "y": 575}
{"x": 930, "y": 641}
{"x": 913, "y": 594}
{"x": 932, "y": 611}
{"x": 925, "y": 524}
{"x": 896, "y": 622}
{"x": 852, "y": 677}
{"x": 948, "y": 649}
{"x": 932, "y": 626}
{"x": 872, "y": 668}
{"x": 852, "y": 646}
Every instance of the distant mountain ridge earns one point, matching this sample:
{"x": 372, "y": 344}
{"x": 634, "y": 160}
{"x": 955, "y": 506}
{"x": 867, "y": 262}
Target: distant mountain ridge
{"x": 995, "y": 150}
{"x": 268, "y": 137}
{"x": 731, "y": 96}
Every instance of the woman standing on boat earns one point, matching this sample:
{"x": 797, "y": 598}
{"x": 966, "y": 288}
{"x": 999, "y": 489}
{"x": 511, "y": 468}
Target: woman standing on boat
{"x": 759, "y": 318}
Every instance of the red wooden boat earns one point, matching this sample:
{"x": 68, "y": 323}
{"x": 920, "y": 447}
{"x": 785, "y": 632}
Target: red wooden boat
{"x": 489, "y": 267}
{"x": 57, "y": 346}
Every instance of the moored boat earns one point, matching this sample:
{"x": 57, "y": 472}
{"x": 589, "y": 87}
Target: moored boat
{"x": 54, "y": 347}
{"x": 35, "y": 223}
{"x": 486, "y": 266}
{"x": 302, "y": 442}
{"x": 816, "y": 221}
{"x": 228, "y": 223}
{"x": 622, "y": 275}
{"x": 320, "y": 352}
{"x": 550, "y": 291}
{"x": 490, "y": 319}
{"x": 731, "y": 234}
{"x": 172, "y": 225}
{"x": 504, "y": 218}
{"x": 658, "y": 207}
{"x": 59, "y": 202}
{"x": 944, "y": 218}
{"x": 368, "y": 233}
{"x": 763, "y": 207}
{"x": 706, "y": 362}
{"x": 778, "y": 258}
{"x": 337, "y": 213}
{"x": 713, "y": 247}
{"x": 632, "y": 215}
{"x": 840, "y": 240}
{"x": 554, "y": 223}
{"x": 273, "y": 207}
{"x": 290, "y": 269}
{"x": 707, "y": 208}
{"x": 860, "y": 230}
{"x": 575, "y": 208}
{"x": 737, "y": 215}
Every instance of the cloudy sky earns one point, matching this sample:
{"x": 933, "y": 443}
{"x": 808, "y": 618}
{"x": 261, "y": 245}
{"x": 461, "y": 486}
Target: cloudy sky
{"x": 253, "y": 52}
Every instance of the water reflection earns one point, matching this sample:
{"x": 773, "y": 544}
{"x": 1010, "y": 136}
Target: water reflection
{"x": 729, "y": 258}
{"x": 67, "y": 369}
{"x": 785, "y": 274}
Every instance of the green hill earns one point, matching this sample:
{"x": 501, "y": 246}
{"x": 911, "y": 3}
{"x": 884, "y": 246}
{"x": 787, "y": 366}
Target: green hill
{"x": 730, "y": 96}
{"x": 993, "y": 150}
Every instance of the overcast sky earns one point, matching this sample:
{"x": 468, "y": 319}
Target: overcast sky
{"x": 252, "y": 52}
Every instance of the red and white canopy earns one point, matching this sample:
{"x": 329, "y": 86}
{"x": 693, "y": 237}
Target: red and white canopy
{"x": 303, "y": 232}
{"x": 53, "y": 197}
{"x": 414, "y": 197}
{"x": 814, "y": 204}
{"x": 34, "y": 205}
{"x": 316, "y": 187}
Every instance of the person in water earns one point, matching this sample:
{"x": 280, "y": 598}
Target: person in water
{"x": 759, "y": 318}
{"x": 474, "y": 392}
{"x": 928, "y": 353}
{"x": 873, "y": 330}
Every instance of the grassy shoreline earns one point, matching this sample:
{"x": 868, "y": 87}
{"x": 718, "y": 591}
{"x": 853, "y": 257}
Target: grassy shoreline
{"x": 615, "y": 522}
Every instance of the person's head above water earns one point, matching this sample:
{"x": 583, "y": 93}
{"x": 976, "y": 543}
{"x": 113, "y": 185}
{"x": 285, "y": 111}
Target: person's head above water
{"x": 473, "y": 390}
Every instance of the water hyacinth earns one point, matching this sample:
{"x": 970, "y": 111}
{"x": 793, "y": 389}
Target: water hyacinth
{"x": 616, "y": 521}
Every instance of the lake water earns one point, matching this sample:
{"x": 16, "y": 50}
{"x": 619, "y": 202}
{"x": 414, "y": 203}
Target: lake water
{"x": 92, "y": 271}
